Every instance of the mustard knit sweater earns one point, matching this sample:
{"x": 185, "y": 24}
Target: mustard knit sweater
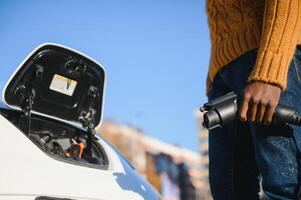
{"x": 237, "y": 26}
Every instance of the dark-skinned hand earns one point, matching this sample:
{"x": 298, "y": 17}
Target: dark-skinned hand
{"x": 259, "y": 101}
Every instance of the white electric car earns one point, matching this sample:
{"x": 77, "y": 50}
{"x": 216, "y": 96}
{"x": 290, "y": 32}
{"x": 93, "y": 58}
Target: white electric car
{"x": 48, "y": 146}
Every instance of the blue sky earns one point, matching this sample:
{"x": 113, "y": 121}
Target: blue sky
{"x": 155, "y": 53}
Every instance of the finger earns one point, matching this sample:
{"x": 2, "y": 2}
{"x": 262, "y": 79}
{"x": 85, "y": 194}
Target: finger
{"x": 268, "y": 116}
{"x": 252, "y": 111}
{"x": 260, "y": 113}
{"x": 244, "y": 108}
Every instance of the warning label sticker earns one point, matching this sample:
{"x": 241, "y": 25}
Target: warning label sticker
{"x": 63, "y": 85}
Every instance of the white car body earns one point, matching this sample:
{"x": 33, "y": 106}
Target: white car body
{"x": 29, "y": 173}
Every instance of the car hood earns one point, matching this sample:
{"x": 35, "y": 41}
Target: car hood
{"x": 58, "y": 82}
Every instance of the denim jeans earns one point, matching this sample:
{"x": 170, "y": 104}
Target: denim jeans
{"x": 241, "y": 151}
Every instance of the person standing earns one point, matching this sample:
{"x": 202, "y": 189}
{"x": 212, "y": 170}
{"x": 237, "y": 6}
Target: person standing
{"x": 255, "y": 52}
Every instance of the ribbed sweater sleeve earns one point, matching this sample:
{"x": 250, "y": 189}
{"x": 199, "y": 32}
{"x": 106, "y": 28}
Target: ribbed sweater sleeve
{"x": 280, "y": 30}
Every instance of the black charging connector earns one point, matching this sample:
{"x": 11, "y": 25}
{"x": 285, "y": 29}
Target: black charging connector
{"x": 222, "y": 110}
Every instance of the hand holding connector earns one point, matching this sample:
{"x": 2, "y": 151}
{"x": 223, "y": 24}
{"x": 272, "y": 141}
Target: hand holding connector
{"x": 223, "y": 110}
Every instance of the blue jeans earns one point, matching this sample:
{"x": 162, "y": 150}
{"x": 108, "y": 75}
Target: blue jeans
{"x": 240, "y": 151}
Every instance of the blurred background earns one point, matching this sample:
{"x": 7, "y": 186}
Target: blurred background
{"x": 156, "y": 57}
